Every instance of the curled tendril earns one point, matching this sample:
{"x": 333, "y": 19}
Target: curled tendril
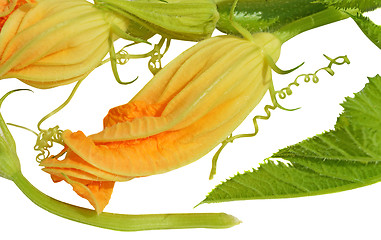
{"x": 156, "y": 54}
{"x": 47, "y": 137}
{"x": 281, "y": 94}
{"x": 154, "y": 64}
{"x": 45, "y": 140}
{"x": 287, "y": 91}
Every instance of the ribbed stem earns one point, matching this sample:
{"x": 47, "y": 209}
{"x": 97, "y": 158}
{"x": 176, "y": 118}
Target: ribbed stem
{"x": 324, "y": 17}
{"x": 123, "y": 222}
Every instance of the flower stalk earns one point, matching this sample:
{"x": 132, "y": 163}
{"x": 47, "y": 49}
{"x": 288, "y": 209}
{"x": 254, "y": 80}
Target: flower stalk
{"x": 315, "y": 20}
{"x": 123, "y": 222}
{"x": 263, "y": 16}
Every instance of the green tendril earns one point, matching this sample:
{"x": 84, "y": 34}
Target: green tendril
{"x": 12, "y": 124}
{"x": 47, "y": 137}
{"x": 287, "y": 91}
{"x": 45, "y": 140}
{"x": 114, "y": 67}
{"x": 154, "y": 64}
{"x": 22, "y": 127}
{"x": 276, "y": 69}
{"x": 122, "y": 57}
{"x": 281, "y": 94}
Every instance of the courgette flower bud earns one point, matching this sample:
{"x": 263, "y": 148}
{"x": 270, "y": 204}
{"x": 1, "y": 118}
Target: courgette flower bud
{"x": 190, "y": 20}
{"x": 186, "y": 110}
{"x": 52, "y": 42}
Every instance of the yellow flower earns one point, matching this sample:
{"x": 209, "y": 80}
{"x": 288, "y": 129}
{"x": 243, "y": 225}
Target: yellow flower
{"x": 185, "y": 111}
{"x": 55, "y": 42}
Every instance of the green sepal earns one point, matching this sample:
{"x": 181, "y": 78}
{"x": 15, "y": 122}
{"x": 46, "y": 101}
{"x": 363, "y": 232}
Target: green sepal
{"x": 369, "y": 28}
{"x": 139, "y": 31}
{"x": 191, "y": 20}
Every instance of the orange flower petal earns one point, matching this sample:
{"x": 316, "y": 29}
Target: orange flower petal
{"x": 7, "y": 7}
{"x": 74, "y": 166}
{"x": 98, "y": 193}
{"x": 129, "y": 112}
{"x": 10, "y": 28}
{"x": 183, "y": 93}
{"x": 168, "y": 150}
{"x": 72, "y": 173}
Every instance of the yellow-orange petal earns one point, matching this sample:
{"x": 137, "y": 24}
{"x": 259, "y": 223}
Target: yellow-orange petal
{"x": 129, "y": 112}
{"x": 57, "y": 73}
{"x": 72, "y": 173}
{"x": 74, "y": 166}
{"x": 7, "y": 7}
{"x": 199, "y": 109}
{"x": 168, "y": 150}
{"x": 98, "y": 193}
{"x": 10, "y": 28}
{"x": 50, "y": 84}
{"x": 55, "y": 42}
{"x": 184, "y": 112}
{"x": 187, "y": 87}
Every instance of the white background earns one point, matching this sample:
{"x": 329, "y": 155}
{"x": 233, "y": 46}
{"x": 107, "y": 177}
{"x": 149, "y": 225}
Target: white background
{"x": 354, "y": 214}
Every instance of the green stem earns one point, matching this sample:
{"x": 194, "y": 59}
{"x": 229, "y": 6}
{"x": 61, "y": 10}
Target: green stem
{"x": 324, "y": 17}
{"x": 61, "y": 106}
{"x": 123, "y": 222}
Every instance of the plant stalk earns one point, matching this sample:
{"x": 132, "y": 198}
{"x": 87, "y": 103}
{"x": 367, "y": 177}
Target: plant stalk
{"x": 123, "y": 222}
{"x": 322, "y": 18}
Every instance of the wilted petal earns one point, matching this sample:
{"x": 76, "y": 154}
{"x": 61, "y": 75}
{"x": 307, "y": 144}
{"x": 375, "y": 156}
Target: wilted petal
{"x": 98, "y": 193}
{"x": 74, "y": 166}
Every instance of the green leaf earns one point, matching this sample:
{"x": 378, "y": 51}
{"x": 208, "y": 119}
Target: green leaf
{"x": 362, "y": 5}
{"x": 346, "y": 144}
{"x": 369, "y": 28}
{"x": 362, "y": 109}
{"x": 344, "y": 158}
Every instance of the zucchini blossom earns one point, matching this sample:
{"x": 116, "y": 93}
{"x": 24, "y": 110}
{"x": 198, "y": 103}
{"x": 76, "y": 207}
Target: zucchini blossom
{"x": 52, "y": 42}
{"x": 48, "y": 43}
{"x": 184, "y": 112}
